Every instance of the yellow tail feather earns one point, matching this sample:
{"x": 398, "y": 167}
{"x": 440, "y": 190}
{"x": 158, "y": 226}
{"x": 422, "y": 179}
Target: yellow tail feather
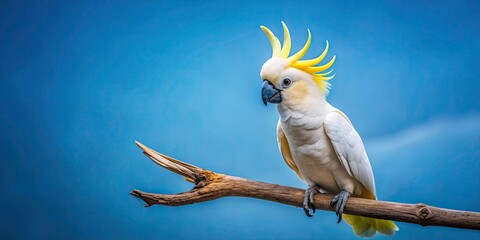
{"x": 367, "y": 227}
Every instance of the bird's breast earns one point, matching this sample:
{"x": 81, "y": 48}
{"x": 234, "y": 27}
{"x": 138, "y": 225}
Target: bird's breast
{"x": 311, "y": 150}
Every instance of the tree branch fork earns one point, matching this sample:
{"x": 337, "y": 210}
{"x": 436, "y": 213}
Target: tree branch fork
{"x": 211, "y": 185}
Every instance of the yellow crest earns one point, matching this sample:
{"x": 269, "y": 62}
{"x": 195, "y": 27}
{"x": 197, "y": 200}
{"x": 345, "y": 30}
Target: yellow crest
{"x": 318, "y": 72}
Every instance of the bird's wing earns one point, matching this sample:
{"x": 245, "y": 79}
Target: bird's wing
{"x": 349, "y": 149}
{"x": 285, "y": 150}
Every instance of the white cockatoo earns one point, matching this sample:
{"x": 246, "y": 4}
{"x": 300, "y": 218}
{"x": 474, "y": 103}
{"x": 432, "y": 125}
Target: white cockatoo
{"x": 317, "y": 140}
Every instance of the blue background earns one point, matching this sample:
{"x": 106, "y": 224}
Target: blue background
{"x": 80, "y": 81}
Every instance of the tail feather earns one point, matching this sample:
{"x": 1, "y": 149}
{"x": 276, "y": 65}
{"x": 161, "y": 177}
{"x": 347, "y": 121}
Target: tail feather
{"x": 367, "y": 227}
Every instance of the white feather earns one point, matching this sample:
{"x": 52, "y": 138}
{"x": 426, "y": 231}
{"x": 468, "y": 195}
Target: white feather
{"x": 349, "y": 148}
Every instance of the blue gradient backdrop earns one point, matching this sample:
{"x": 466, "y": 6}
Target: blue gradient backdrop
{"x": 81, "y": 80}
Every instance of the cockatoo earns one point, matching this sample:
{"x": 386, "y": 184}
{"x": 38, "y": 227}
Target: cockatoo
{"x": 317, "y": 140}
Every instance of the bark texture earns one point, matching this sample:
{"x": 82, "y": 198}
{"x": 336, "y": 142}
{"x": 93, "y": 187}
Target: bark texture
{"x": 210, "y": 185}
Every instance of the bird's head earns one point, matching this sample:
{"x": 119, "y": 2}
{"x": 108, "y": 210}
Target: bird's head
{"x": 289, "y": 80}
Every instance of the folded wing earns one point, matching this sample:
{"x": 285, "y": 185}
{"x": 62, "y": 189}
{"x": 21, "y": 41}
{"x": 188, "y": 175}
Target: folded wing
{"x": 285, "y": 150}
{"x": 350, "y": 149}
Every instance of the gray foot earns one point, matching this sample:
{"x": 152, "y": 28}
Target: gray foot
{"x": 308, "y": 200}
{"x": 339, "y": 202}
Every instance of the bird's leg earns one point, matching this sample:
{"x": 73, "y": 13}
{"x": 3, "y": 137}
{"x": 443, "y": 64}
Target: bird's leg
{"x": 339, "y": 202}
{"x": 308, "y": 200}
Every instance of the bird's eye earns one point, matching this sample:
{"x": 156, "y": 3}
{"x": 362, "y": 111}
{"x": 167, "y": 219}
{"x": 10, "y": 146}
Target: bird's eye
{"x": 287, "y": 82}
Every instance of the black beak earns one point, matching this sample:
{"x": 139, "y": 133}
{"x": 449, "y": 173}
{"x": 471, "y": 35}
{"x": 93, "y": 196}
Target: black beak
{"x": 270, "y": 93}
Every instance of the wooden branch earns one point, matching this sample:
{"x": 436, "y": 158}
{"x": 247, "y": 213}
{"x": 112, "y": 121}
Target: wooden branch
{"x": 210, "y": 185}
